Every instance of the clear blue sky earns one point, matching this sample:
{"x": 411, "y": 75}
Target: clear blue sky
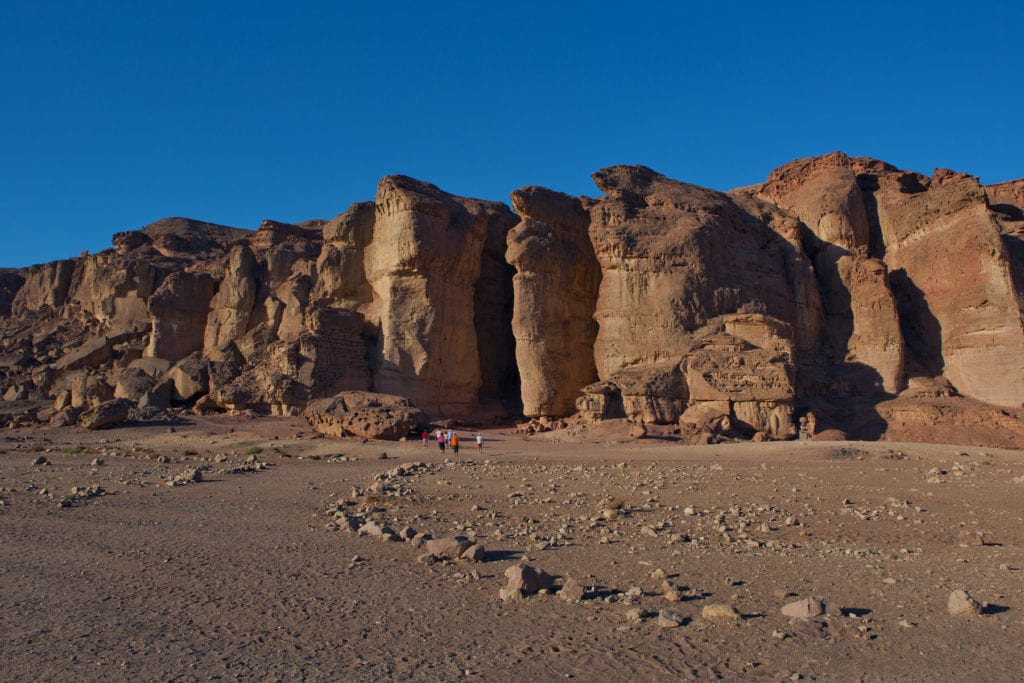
{"x": 113, "y": 115}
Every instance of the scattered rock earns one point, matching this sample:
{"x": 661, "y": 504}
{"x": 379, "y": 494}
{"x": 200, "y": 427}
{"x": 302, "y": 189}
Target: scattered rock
{"x": 190, "y": 476}
{"x": 670, "y": 619}
{"x": 528, "y": 579}
{"x": 572, "y": 591}
{"x": 448, "y": 548}
{"x": 41, "y": 460}
{"x": 808, "y": 608}
{"x": 718, "y": 611}
{"x": 961, "y": 604}
{"x": 509, "y": 594}
{"x": 969, "y": 537}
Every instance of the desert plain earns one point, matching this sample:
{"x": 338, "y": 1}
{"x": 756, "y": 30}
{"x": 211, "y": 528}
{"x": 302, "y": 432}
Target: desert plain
{"x": 250, "y": 569}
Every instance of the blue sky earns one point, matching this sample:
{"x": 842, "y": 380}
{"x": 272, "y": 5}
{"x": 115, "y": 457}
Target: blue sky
{"x": 114, "y": 115}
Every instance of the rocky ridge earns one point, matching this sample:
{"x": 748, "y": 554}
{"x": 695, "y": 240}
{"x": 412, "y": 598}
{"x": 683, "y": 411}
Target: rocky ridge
{"x": 885, "y": 301}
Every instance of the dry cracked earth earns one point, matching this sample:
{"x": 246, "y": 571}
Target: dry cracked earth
{"x": 246, "y": 568}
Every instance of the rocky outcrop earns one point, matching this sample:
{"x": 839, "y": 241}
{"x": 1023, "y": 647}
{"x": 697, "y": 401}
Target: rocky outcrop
{"x": 555, "y": 293}
{"x": 836, "y": 285}
{"x": 44, "y": 285}
{"x": 11, "y": 282}
{"x": 741, "y": 366}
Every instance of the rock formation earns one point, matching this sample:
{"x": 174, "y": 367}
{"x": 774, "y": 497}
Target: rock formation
{"x": 884, "y": 300}
{"x": 555, "y": 294}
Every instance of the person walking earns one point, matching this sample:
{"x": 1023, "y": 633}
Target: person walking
{"x": 426, "y": 435}
{"x": 455, "y": 444}
{"x": 440, "y": 440}
{"x": 479, "y": 441}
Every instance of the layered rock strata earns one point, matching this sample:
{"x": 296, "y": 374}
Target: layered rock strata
{"x": 837, "y": 285}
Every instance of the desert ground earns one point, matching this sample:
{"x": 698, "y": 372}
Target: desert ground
{"x": 107, "y": 572}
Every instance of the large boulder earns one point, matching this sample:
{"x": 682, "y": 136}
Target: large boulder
{"x": 191, "y": 378}
{"x": 106, "y": 414}
{"x": 90, "y": 355}
{"x": 364, "y": 414}
{"x": 654, "y": 394}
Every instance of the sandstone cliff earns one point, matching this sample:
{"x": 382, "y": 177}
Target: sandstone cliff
{"x": 840, "y": 284}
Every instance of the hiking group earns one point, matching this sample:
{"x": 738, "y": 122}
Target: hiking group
{"x": 449, "y": 439}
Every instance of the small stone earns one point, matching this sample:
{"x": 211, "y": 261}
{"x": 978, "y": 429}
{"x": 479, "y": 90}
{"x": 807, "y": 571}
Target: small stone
{"x": 970, "y": 537}
{"x": 1004, "y": 567}
{"x": 670, "y": 619}
{"x": 961, "y": 604}
{"x": 448, "y": 548}
{"x": 808, "y": 608}
{"x": 474, "y": 553}
{"x": 509, "y": 594}
{"x": 689, "y": 511}
{"x": 635, "y": 614}
{"x": 719, "y": 611}
{"x": 659, "y": 575}
{"x": 371, "y": 528}
{"x": 572, "y": 591}
{"x": 526, "y": 578}
{"x": 96, "y": 462}
{"x": 40, "y": 461}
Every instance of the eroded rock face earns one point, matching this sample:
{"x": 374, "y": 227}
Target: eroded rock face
{"x": 178, "y": 310}
{"x": 422, "y": 264}
{"x": 861, "y": 328}
{"x": 231, "y": 309}
{"x": 673, "y": 256}
{"x": 824, "y": 193}
{"x": 834, "y": 285}
{"x": 741, "y": 366}
{"x": 556, "y": 286}
{"x": 953, "y": 280}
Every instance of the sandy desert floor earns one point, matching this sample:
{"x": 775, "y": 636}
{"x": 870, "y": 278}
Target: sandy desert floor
{"x": 247, "y": 575}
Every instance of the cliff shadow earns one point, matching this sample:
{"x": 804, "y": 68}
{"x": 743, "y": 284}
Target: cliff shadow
{"x": 921, "y": 330}
{"x": 868, "y": 183}
{"x": 842, "y": 409}
{"x": 1014, "y": 246}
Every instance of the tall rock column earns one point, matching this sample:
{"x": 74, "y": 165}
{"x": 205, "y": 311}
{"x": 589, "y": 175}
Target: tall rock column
{"x": 556, "y": 284}
{"x": 232, "y": 306}
{"x": 422, "y": 264}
